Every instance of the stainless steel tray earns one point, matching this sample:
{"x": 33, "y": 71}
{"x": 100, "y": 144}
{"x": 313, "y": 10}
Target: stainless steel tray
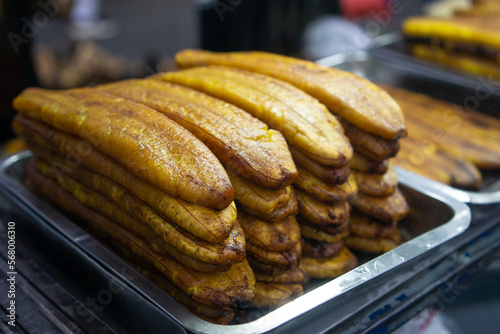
{"x": 435, "y": 218}
{"x": 392, "y": 68}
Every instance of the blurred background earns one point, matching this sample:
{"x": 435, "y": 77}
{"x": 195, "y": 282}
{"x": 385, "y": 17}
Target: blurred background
{"x": 72, "y": 43}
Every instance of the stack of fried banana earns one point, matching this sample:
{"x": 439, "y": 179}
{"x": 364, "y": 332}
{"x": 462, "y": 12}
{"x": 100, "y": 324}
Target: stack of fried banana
{"x": 373, "y": 122}
{"x": 150, "y": 187}
{"x": 259, "y": 166}
{"x": 447, "y": 143}
{"x": 318, "y": 145}
{"x": 468, "y": 40}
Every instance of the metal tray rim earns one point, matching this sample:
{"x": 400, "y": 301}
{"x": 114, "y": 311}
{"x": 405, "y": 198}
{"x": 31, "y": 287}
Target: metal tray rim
{"x": 409, "y": 250}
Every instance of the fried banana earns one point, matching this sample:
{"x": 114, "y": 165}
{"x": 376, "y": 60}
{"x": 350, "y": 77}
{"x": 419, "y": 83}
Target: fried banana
{"x": 330, "y": 234}
{"x": 321, "y": 213}
{"x": 330, "y": 267}
{"x": 388, "y": 209}
{"x": 291, "y": 209}
{"x": 361, "y": 164}
{"x": 279, "y": 261}
{"x": 295, "y": 275}
{"x": 150, "y": 145}
{"x": 206, "y": 223}
{"x": 366, "y": 226}
{"x": 370, "y": 146}
{"x": 273, "y": 295}
{"x": 376, "y": 112}
{"x": 258, "y": 198}
{"x": 303, "y": 121}
{"x": 120, "y": 206}
{"x": 319, "y": 249}
{"x": 241, "y": 142}
{"x": 328, "y": 174}
{"x": 377, "y": 245}
{"x": 324, "y": 192}
{"x": 276, "y": 236}
{"x": 451, "y": 128}
{"x": 232, "y": 289}
{"x": 376, "y": 184}
{"x": 424, "y": 158}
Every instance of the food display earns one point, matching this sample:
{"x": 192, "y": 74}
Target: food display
{"x": 468, "y": 41}
{"x": 447, "y": 143}
{"x": 231, "y": 183}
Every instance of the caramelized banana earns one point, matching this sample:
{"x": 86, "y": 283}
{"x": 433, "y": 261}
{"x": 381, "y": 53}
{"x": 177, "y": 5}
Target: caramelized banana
{"x": 374, "y": 245}
{"x": 425, "y": 159}
{"x": 330, "y": 234}
{"x": 240, "y": 141}
{"x": 205, "y": 223}
{"x": 328, "y": 174}
{"x": 330, "y": 267}
{"x": 369, "y": 227}
{"x": 284, "y": 260}
{"x": 148, "y": 144}
{"x": 371, "y": 146}
{"x": 376, "y": 184}
{"x": 232, "y": 289}
{"x": 295, "y": 275}
{"x": 321, "y": 213}
{"x": 273, "y": 295}
{"x": 258, "y": 198}
{"x": 303, "y": 121}
{"x": 276, "y": 236}
{"x": 389, "y": 209}
{"x": 320, "y": 249}
{"x": 291, "y": 209}
{"x": 340, "y": 91}
{"x": 361, "y": 164}
{"x": 326, "y": 193}
{"x": 451, "y": 128}
{"x": 118, "y": 205}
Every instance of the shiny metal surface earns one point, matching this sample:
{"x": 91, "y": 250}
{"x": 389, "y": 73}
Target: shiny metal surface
{"x": 435, "y": 218}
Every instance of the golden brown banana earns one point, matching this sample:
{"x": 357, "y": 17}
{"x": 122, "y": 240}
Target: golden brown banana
{"x": 277, "y": 236}
{"x": 371, "y": 146}
{"x": 303, "y": 121}
{"x": 330, "y": 267}
{"x": 340, "y": 91}
{"x": 374, "y": 245}
{"x": 273, "y": 295}
{"x": 280, "y": 261}
{"x": 148, "y": 144}
{"x": 258, "y": 198}
{"x": 328, "y": 174}
{"x": 319, "y": 249}
{"x": 206, "y": 223}
{"x": 425, "y": 159}
{"x": 366, "y": 226}
{"x": 233, "y": 289}
{"x": 295, "y": 275}
{"x": 324, "y": 192}
{"x": 362, "y": 164}
{"x": 119, "y": 206}
{"x": 321, "y": 213}
{"x": 376, "y": 184}
{"x": 240, "y": 141}
{"x": 390, "y": 209}
{"x": 451, "y": 128}
{"x": 291, "y": 209}
{"x": 330, "y": 234}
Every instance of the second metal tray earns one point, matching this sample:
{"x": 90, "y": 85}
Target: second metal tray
{"x": 480, "y": 94}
